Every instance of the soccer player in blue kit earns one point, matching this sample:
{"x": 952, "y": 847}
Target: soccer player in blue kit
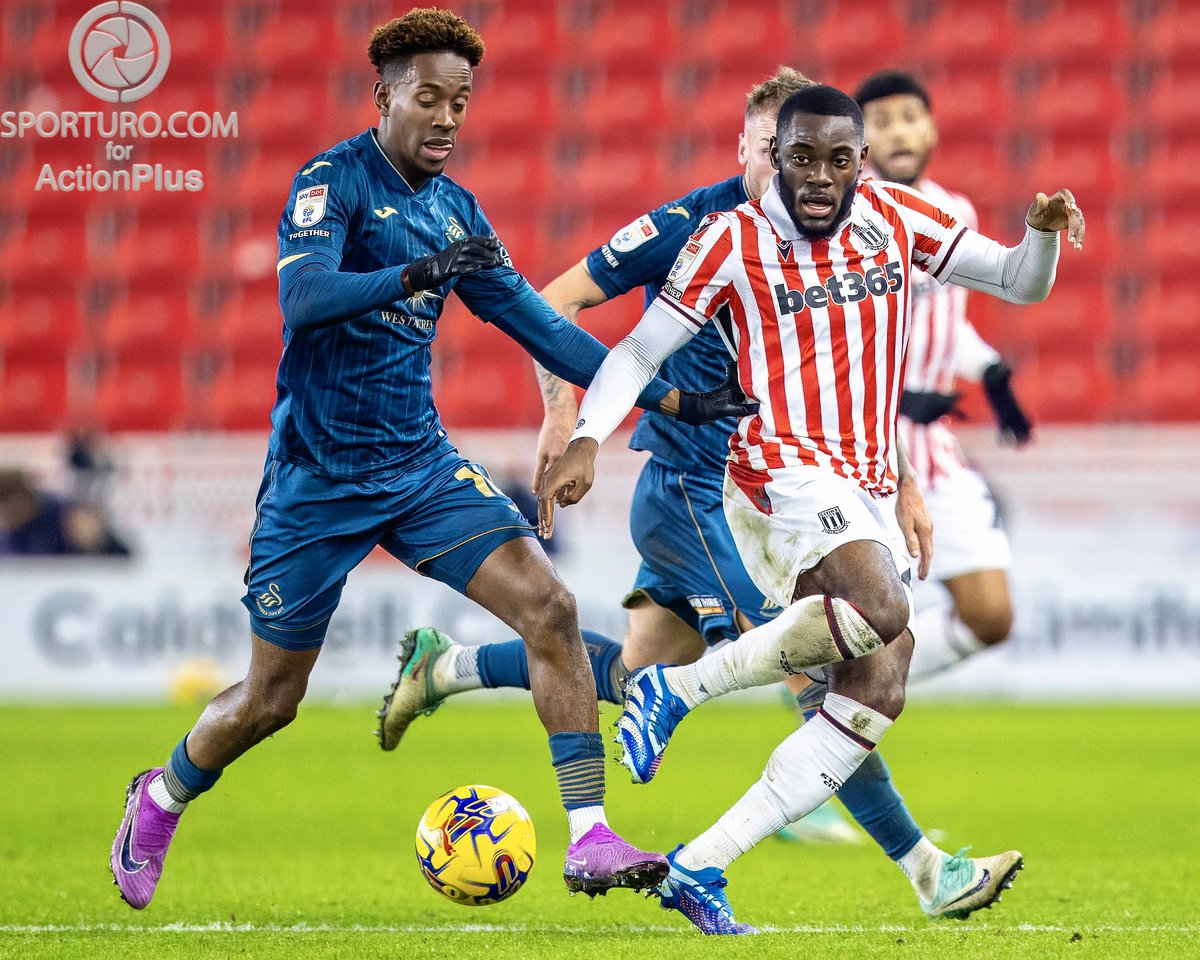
{"x": 372, "y": 241}
{"x": 692, "y": 588}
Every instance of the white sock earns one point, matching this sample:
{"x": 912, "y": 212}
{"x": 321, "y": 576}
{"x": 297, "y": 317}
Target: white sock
{"x": 941, "y": 640}
{"x": 923, "y": 865}
{"x": 456, "y": 670}
{"x": 803, "y": 772}
{"x": 810, "y": 633}
{"x": 158, "y": 793}
{"x": 582, "y": 819}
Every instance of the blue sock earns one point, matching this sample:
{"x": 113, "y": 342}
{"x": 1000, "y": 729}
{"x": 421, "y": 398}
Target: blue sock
{"x": 183, "y": 779}
{"x": 877, "y": 806}
{"x": 578, "y": 760}
{"x": 506, "y": 665}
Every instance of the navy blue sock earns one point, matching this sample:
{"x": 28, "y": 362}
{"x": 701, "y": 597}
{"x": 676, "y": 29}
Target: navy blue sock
{"x": 578, "y": 760}
{"x": 183, "y": 779}
{"x": 506, "y": 665}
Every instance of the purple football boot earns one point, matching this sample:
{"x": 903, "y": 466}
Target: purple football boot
{"x": 600, "y": 860}
{"x": 141, "y": 844}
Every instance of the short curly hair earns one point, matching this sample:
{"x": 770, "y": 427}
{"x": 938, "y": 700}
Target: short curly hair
{"x": 420, "y": 30}
{"x": 769, "y": 95}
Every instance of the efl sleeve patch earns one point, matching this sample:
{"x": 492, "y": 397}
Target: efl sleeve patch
{"x": 634, "y": 235}
{"x": 310, "y": 205}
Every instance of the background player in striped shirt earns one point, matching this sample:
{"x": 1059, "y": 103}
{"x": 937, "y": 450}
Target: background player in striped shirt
{"x": 692, "y": 588}
{"x": 972, "y": 554}
{"x": 372, "y": 241}
{"x": 816, "y": 277}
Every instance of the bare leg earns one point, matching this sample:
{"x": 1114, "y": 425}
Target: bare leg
{"x": 254, "y": 708}
{"x": 517, "y": 584}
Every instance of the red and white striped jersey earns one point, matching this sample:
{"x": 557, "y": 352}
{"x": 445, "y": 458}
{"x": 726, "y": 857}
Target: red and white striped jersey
{"x": 821, "y": 329}
{"x": 942, "y": 347}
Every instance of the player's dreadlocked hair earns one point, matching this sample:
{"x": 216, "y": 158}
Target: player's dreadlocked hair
{"x": 769, "y": 95}
{"x": 890, "y": 83}
{"x": 420, "y": 30}
{"x": 824, "y": 101}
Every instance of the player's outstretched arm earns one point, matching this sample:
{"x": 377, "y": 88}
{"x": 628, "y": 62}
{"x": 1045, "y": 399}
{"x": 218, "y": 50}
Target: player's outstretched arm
{"x": 1024, "y": 273}
{"x": 568, "y": 293}
{"x": 626, "y": 370}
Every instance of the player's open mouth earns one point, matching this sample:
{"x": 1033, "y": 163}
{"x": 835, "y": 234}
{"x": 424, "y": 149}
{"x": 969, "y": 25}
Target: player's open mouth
{"x": 438, "y": 149}
{"x": 816, "y": 206}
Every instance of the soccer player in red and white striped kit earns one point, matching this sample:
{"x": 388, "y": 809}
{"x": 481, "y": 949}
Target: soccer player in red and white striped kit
{"x": 817, "y": 277}
{"x": 971, "y": 553}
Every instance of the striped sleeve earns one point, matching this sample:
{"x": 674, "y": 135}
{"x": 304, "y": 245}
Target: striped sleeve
{"x": 702, "y": 278}
{"x": 936, "y": 231}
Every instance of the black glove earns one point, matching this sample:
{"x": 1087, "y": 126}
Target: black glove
{"x": 457, "y": 260}
{"x": 1014, "y": 425}
{"x": 727, "y": 400}
{"x": 925, "y": 406}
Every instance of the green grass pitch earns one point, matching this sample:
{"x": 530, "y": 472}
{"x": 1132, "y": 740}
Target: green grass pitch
{"x": 305, "y": 848}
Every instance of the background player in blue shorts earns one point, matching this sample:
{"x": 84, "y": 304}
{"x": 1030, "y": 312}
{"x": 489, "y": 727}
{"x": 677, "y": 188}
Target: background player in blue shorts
{"x": 372, "y": 241}
{"x": 692, "y": 588}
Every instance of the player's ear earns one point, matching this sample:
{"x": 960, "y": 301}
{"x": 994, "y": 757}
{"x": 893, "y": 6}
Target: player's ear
{"x": 383, "y": 97}
{"x": 862, "y": 157}
{"x": 775, "y": 153}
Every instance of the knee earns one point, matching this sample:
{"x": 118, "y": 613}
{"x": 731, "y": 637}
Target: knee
{"x": 551, "y": 613}
{"x": 888, "y": 614}
{"x": 269, "y": 711}
{"x": 990, "y": 623}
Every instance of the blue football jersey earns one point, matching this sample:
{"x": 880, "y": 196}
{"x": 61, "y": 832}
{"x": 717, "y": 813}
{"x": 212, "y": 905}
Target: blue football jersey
{"x": 643, "y": 254}
{"x": 355, "y": 398}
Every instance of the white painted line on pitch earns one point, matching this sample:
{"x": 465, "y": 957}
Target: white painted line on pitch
{"x": 302, "y": 928}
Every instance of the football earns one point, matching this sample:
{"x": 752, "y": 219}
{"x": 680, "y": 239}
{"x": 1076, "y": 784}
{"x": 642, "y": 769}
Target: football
{"x": 476, "y": 845}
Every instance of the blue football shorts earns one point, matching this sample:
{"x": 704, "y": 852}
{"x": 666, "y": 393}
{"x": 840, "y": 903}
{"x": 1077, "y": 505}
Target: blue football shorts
{"x": 442, "y": 519}
{"x": 690, "y": 564}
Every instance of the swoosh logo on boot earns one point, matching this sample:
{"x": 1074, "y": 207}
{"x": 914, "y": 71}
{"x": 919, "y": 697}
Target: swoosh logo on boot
{"x": 128, "y": 863}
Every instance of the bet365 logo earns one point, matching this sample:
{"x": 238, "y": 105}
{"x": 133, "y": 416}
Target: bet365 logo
{"x": 841, "y": 288}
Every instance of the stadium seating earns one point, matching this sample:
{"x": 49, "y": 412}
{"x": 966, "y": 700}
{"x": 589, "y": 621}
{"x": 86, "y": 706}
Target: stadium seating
{"x": 585, "y": 114}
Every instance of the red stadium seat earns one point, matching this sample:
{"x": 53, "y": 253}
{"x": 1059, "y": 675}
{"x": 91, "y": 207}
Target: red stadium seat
{"x": 1174, "y": 33}
{"x": 45, "y": 252}
{"x": 957, "y": 94}
{"x": 486, "y": 390}
{"x": 33, "y": 396}
{"x": 240, "y": 398}
{"x": 735, "y": 33}
{"x": 295, "y": 38}
{"x": 157, "y": 250}
{"x": 522, "y": 34}
{"x": 1169, "y": 316}
{"x": 1074, "y": 32}
{"x": 629, "y": 37}
{"x": 848, "y": 53}
{"x": 145, "y": 395}
{"x": 624, "y": 107}
{"x": 250, "y": 326}
{"x": 971, "y": 33}
{"x": 148, "y": 327}
{"x": 1166, "y": 387}
{"x": 1173, "y": 104}
{"x": 35, "y": 323}
{"x": 1076, "y": 102}
{"x": 1066, "y": 389}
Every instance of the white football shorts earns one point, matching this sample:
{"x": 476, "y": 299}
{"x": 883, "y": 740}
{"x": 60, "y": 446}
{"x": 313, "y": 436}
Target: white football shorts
{"x": 967, "y": 534}
{"x": 812, "y": 512}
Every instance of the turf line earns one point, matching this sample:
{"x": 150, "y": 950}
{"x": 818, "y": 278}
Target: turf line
{"x": 302, "y": 928}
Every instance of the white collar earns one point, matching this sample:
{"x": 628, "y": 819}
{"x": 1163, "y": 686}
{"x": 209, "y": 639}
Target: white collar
{"x": 781, "y": 220}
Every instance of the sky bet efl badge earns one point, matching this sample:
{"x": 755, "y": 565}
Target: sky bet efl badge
{"x": 310, "y": 205}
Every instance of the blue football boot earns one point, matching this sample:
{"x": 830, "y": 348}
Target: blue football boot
{"x": 700, "y": 896}
{"x": 651, "y": 715}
